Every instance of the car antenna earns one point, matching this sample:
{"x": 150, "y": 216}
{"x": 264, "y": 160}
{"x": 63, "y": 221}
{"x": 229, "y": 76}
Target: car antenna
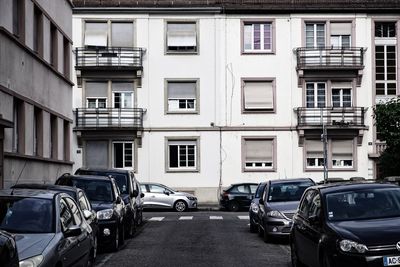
{"x": 19, "y": 176}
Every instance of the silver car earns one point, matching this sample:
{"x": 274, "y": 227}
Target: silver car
{"x": 161, "y": 196}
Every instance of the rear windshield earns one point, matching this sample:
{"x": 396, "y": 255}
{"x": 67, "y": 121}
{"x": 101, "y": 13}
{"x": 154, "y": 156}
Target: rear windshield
{"x": 281, "y": 192}
{"x": 26, "y": 215}
{"x": 120, "y": 179}
{"x": 96, "y": 190}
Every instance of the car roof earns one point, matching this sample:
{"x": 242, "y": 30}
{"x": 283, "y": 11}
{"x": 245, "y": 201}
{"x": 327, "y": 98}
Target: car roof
{"x": 147, "y": 183}
{"x": 121, "y": 171}
{"x": 337, "y": 188}
{"x": 291, "y": 180}
{"x": 33, "y": 193}
{"x": 244, "y": 184}
{"x": 46, "y": 187}
{"x": 86, "y": 177}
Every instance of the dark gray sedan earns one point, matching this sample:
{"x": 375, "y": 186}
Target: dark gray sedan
{"x": 49, "y": 228}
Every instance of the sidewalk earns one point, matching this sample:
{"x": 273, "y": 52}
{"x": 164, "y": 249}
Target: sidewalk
{"x": 208, "y": 206}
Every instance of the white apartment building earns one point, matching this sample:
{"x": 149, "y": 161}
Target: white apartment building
{"x": 200, "y": 95}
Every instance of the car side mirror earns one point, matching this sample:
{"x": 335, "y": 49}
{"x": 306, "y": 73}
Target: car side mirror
{"x": 166, "y": 192}
{"x": 87, "y": 214}
{"x": 135, "y": 193}
{"x": 142, "y": 195}
{"x": 73, "y": 231}
{"x": 119, "y": 200}
{"x": 261, "y": 201}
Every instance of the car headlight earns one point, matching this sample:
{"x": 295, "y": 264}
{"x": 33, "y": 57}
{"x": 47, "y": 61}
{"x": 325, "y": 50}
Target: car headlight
{"x": 191, "y": 198}
{"x": 31, "y": 262}
{"x": 275, "y": 214}
{"x": 254, "y": 207}
{"x": 105, "y": 214}
{"x": 351, "y": 246}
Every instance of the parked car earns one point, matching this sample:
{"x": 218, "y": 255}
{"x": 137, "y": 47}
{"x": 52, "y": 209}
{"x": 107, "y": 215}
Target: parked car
{"x": 105, "y": 199}
{"x": 278, "y": 204}
{"x": 392, "y": 179}
{"x": 237, "y": 196}
{"x": 255, "y": 207}
{"x": 347, "y": 225}
{"x": 8, "y": 250}
{"x": 80, "y": 198}
{"x": 49, "y": 228}
{"x": 161, "y": 196}
{"x": 130, "y": 193}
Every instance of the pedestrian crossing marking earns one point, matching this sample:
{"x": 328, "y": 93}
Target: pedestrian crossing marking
{"x": 185, "y": 218}
{"x": 156, "y": 219}
{"x": 246, "y": 217}
{"x": 216, "y": 218}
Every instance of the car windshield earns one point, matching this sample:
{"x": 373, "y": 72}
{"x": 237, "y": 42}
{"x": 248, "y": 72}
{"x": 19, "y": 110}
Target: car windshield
{"x": 287, "y": 191}
{"x": 121, "y": 179}
{"x": 96, "y": 190}
{"x": 26, "y": 215}
{"x": 363, "y": 204}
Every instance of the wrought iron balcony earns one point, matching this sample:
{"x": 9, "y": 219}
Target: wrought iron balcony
{"x": 323, "y": 58}
{"x": 351, "y": 117}
{"x": 106, "y": 57}
{"x": 108, "y": 118}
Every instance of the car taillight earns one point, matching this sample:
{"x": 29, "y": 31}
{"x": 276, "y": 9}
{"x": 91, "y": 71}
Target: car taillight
{"x": 225, "y": 195}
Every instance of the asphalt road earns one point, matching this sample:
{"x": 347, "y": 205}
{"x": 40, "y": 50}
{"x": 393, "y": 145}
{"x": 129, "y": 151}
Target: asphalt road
{"x": 197, "y": 239}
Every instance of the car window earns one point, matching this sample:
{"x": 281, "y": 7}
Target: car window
{"x": 66, "y": 216}
{"x": 143, "y": 188}
{"x": 305, "y": 204}
{"x": 315, "y": 206}
{"x": 82, "y": 202}
{"x": 122, "y": 182}
{"x": 244, "y": 189}
{"x": 287, "y": 191}
{"x": 253, "y": 188}
{"x": 156, "y": 188}
{"x": 260, "y": 190}
{"x": 75, "y": 211}
{"x": 96, "y": 190}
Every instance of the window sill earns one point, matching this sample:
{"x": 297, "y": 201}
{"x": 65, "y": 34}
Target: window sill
{"x": 330, "y": 169}
{"x": 259, "y": 170}
{"x": 258, "y": 111}
{"x": 182, "y": 170}
{"x": 182, "y": 112}
{"x": 174, "y": 53}
{"x": 258, "y": 53}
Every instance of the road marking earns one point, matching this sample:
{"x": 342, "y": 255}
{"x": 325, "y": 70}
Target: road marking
{"x": 216, "y": 218}
{"x": 104, "y": 260}
{"x": 245, "y": 217}
{"x": 185, "y": 218}
{"x": 156, "y": 219}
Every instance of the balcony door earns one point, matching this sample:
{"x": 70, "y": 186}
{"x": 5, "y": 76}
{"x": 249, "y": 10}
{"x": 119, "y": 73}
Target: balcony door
{"x": 315, "y": 54}
{"x": 315, "y": 102}
{"x": 123, "y": 103}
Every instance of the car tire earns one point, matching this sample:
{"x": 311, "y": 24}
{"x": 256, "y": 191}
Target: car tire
{"x": 253, "y": 227}
{"x": 294, "y": 257}
{"x": 140, "y": 219}
{"x": 266, "y": 235}
{"x": 260, "y": 231}
{"x": 180, "y": 206}
{"x": 122, "y": 235}
{"x": 115, "y": 244}
{"x": 131, "y": 228}
{"x": 233, "y": 206}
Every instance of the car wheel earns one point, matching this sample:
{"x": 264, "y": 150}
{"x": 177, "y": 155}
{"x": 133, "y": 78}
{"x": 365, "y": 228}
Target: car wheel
{"x": 266, "y": 236}
{"x": 131, "y": 228}
{"x": 122, "y": 235}
{"x": 294, "y": 257}
{"x": 253, "y": 227}
{"x": 260, "y": 231}
{"x": 115, "y": 244}
{"x": 140, "y": 218}
{"x": 180, "y": 206}
{"x": 233, "y": 206}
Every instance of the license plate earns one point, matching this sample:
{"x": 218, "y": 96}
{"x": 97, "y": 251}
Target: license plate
{"x": 391, "y": 261}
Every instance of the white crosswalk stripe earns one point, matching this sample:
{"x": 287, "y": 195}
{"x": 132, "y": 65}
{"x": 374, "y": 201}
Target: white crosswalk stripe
{"x": 185, "y": 218}
{"x": 246, "y": 217}
{"x": 216, "y": 218}
{"x": 156, "y": 219}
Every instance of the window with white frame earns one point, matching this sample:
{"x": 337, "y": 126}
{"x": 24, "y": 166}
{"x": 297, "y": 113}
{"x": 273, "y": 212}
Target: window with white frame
{"x": 314, "y": 153}
{"x": 315, "y": 95}
{"x": 92, "y": 102}
{"x": 258, "y": 95}
{"x": 341, "y": 94}
{"x": 182, "y": 96}
{"x": 258, "y": 154}
{"x": 182, "y": 154}
{"x": 96, "y": 33}
{"x": 257, "y": 37}
{"x": 315, "y": 35}
{"x": 96, "y": 94}
{"x": 181, "y": 37}
{"x": 342, "y": 153}
{"x": 122, "y": 95}
{"x": 122, "y": 34}
{"x": 340, "y": 34}
{"x": 123, "y": 155}
{"x": 105, "y": 33}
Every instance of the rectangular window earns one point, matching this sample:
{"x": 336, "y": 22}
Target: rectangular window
{"x": 181, "y": 37}
{"x": 258, "y": 95}
{"x": 67, "y": 137}
{"x": 182, "y": 155}
{"x": 385, "y": 70}
{"x": 316, "y": 95}
{"x": 38, "y": 132}
{"x": 257, "y": 37}
{"x": 96, "y": 102}
{"x": 122, "y": 34}
{"x": 314, "y": 153}
{"x": 340, "y": 34}
{"x": 53, "y": 45}
{"x": 96, "y": 34}
{"x": 53, "y": 137}
{"x": 258, "y": 154}
{"x": 96, "y": 90}
{"x": 38, "y": 31}
{"x": 385, "y": 29}
{"x": 341, "y": 94}
{"x": 342, "y": 153}
{"x": 67, "y": 58}
{"x": 123, "y": 155}
{"x": 182, "y": 96}
{"x": 18, "y": 119}
{"x": 315, "y": 35}
{"x": 122, "y": 95}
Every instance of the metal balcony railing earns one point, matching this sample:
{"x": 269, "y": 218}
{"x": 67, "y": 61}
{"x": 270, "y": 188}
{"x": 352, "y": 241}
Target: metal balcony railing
{"x": 330, "y": 58}
{"x": 106, "y": 57}
{"x": 86, "y": 118}
{"x": 336, "y": 117}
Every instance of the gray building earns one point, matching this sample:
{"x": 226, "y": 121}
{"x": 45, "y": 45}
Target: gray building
{"x": 35, "y": 90}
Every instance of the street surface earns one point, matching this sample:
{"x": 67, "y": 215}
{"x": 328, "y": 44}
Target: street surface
{"x": 200, "y": 238}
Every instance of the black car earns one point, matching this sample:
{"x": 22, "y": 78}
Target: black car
{"x": 8, "y": 250}
{"x": 80, "y": 198}
{"x": 105, "y": 199}
{"x": 49, "y": 228}
{"x": 254, "y": 207}
{"x": 237, "y": 196}
{"x": 130, "y": 193}
{"x": 355, "y": 224}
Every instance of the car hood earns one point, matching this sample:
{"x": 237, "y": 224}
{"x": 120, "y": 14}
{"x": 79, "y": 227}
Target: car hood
{"x": 369, "y": 232}
{"x": 183, "y": 194}
{"x": 30, "y": 245}
{"x": 286, "y": 207}
{"x": 96, "y": 205}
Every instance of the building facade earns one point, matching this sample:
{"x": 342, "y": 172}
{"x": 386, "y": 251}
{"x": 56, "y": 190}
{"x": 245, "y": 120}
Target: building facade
{"x": 199, "y": 95}
{"x": 35, "y": 90}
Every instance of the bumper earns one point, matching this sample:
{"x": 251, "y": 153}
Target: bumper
{"x": 360, "y": 260}
{"x": 192, "y": 204}
{"x": 223, "y": 203}
{"x": 278, "y": 227}
{"x": 106, "y": 233}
